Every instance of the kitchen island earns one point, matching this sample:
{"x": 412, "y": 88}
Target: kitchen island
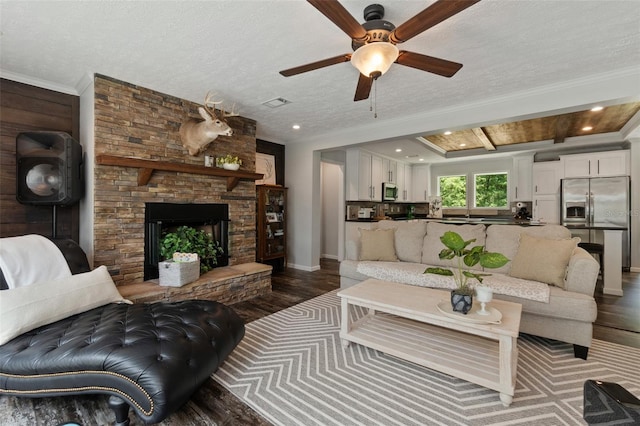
{"x": 613, "y": 251}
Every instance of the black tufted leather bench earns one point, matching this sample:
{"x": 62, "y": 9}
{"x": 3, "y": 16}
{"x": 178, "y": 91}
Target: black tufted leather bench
{"x": 150, "y": 357}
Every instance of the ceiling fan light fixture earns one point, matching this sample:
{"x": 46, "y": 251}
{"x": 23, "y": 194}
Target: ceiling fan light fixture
{"x": 374, "y": 59}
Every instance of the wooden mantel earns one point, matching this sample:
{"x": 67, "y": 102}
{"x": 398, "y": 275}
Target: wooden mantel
{"x": 147, "y": 167}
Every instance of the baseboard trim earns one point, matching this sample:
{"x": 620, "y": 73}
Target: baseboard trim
{"x": 329, "y": 256}
{"x": 303, "y": 268}
{"x": 633, "y": 269}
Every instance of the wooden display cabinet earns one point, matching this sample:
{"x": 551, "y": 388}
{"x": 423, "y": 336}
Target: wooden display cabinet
{"x": 271, "y": 230}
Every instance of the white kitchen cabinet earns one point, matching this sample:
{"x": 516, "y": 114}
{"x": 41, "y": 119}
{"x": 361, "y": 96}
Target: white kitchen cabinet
{"x": 522, "y": 174}
{"x": 546, "y": 208}
{"x": 420, "y": 177}
{"x": 389, "y": 171}
{"x": 364, "y": 176}
{"x": 404, "y": 182}
{"x": 546, "y": 191}
{"x": 546, "y": 178}
{"x": 596, "y": 164}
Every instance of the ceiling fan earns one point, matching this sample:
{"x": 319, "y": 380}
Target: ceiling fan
{"x": 374, "y": 42}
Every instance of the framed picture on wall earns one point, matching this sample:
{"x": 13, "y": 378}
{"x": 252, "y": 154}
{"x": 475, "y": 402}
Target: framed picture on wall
{"x": 266, "y": 164}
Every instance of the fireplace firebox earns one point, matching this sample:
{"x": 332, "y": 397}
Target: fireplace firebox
{"x": 161, "y": 218}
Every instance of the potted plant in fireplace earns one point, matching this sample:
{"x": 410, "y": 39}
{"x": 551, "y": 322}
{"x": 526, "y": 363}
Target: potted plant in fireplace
{"x": 186, "y": 239}
{"x": 229, "y": 162}
{"x": 456, "y": 250}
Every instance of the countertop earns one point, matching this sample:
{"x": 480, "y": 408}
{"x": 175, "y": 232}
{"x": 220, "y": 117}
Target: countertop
{"x": 463, "y": 220}
{"x": 600, "y": 226}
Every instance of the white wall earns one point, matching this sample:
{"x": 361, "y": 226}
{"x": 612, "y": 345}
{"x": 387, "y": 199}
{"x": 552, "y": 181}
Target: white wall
{"x": 88, "y": 143}
{"x": 635, "y": 205}
{"x": 303, "y": 200}
{"x": 332, "y": 184}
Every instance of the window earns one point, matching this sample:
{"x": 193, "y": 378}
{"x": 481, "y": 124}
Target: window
{"x": 489, "y": 190}
{"x": 453, "y": 190}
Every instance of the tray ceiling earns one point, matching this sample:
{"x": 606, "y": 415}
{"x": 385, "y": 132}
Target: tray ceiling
{"x": 556, "y": 127}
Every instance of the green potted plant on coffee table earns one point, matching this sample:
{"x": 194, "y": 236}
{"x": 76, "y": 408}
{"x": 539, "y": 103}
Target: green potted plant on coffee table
{"x": 456, "y": 250}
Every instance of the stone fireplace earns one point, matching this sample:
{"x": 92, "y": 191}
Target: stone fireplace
{"x": 135, "y": 122}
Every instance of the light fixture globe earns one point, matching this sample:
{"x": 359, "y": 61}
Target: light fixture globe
{"x": 374, "y": 59}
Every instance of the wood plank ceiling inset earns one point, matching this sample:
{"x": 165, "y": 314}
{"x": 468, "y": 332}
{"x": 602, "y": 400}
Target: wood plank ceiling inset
{"x": 557, "y": 128}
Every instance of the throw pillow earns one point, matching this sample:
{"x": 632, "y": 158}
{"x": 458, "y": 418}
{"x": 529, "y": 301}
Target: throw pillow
{"x": 543, "y": 260}
{"x": 409, "y": 237}
{"x": 506, "y": 238}
{"x": 378, "y": 244}
{"x": 25, "y": 308}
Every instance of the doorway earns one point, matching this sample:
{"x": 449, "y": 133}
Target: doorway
{"x": 332, "y": 210}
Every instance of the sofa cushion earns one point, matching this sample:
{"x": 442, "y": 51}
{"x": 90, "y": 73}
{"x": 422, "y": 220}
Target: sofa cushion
{"x": 562, "y": 305}
{"x": 505, "y": 239}
{"x": 542, "y": 259}
{"x": 409, "y": 237}
{"x": 433, "y": 246}
{"x": 24, "y": 308}
{"x": 378, "y": 244}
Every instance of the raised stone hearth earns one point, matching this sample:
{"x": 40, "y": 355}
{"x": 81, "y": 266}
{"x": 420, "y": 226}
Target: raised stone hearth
{"x": 227, "y": 284}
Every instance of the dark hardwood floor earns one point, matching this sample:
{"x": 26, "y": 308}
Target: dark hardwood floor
{"x": 618, "y": 321}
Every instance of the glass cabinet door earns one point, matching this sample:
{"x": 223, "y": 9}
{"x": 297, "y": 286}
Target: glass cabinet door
{"x": 271, "y": 230}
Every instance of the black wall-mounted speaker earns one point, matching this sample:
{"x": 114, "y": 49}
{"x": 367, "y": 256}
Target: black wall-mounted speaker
{"x": 48, "y": 169}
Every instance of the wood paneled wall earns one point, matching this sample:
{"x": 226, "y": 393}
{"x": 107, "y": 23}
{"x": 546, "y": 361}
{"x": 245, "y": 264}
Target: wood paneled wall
{"x": 29, "y": 108}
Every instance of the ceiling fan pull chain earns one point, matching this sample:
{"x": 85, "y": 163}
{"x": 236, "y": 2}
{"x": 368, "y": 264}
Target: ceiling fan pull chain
{"x": 375, "y": 98}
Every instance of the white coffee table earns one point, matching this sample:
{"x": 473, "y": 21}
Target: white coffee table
{"x": 404, "y": 321}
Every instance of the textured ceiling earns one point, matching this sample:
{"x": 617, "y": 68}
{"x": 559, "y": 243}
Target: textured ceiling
{"x": 236, "y": 48}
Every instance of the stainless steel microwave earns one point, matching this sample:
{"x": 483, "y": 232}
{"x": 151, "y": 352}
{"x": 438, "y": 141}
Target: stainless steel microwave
{"x": 389, "y": 191}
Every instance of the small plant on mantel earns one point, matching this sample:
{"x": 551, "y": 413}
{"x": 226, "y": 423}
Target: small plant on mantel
{"x": 229, "y": 159}
{"x": 456, "y": 250}
{"x": 187, "y": 239}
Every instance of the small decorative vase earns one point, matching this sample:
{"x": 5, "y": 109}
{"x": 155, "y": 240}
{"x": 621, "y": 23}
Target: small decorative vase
{"x": 461, "y": 302}
{"x": 229, "y": 166}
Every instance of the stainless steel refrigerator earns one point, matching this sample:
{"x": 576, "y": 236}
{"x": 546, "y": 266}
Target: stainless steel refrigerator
{"x": 589, "y": 203}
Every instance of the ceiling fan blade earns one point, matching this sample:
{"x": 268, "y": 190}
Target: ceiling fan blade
{"x": 315, "y": 65}
{"x": 337, "y": 14}
{"x": 364, "y": 88}
{"x": 432, "y": 15}
{"x": 428, "y": 63}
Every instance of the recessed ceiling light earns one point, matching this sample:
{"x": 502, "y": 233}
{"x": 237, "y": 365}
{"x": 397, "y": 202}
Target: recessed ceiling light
{"x": 422, "y": 159}
{"x": 448, "y": 132}
{"x": 597, "y": 108}
{"x": 463, "y": 144}
{"x": 296, "y": 127}
{"x": 398, "y": 149}
{"x": 587, "y": 128}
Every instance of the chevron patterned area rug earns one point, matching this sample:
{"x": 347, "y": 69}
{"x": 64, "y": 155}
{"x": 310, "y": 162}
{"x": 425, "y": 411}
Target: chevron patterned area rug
{"x": 292, "y": 369}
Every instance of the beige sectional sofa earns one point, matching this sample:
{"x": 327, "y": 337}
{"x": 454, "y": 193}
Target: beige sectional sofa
{"x": 548, "y": 274}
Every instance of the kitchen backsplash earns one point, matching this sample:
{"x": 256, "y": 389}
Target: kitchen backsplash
{"x": 384, "y": 209}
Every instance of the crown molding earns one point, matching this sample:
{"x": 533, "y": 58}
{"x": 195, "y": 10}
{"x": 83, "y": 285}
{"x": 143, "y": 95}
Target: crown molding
{"x": 32, "y": 81}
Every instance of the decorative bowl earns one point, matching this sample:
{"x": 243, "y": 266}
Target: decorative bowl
{"x": 229, "y": 166}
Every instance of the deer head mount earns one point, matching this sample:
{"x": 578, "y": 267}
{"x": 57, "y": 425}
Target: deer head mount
{"x": 197, "y": 135}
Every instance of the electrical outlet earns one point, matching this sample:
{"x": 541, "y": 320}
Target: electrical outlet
{"x": 513, "y": 209}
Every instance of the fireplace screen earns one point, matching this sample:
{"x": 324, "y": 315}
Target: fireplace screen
{"x": 161, "y": 218}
